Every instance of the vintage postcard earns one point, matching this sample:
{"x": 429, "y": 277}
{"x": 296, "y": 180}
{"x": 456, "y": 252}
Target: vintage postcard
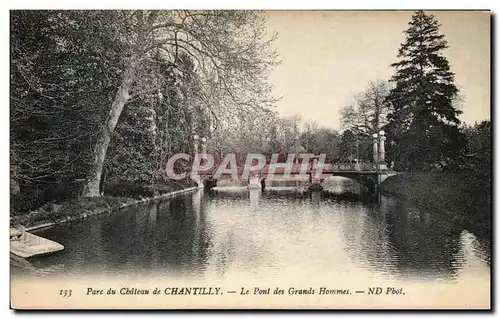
{"x": 243, "y": 159}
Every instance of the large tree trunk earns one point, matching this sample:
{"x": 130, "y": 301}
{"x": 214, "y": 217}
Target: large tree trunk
{"x": 91, "y": 187}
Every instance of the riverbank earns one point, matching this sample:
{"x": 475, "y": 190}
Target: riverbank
{"x": 81, "y": 208}
{"x": 459, "y": 197}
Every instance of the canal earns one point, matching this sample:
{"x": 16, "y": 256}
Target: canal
{"x": 266, "y": 235}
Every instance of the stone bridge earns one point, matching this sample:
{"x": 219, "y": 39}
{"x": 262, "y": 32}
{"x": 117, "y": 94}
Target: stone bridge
{"x": 371, "y": 174}
{"x": 314, "y": 175}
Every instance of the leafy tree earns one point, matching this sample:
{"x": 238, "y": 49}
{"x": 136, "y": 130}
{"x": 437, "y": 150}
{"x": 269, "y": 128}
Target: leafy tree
{"x": 423, "y": 122}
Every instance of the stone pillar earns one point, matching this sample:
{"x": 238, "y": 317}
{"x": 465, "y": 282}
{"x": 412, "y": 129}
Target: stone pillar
{"x": 195, "y": 138}
{"x": 375, "y": 151}
{"x": 315, "y": 164}
{"x": 204, "y": 145}
{"x": 357, "y": 164}
{"x": 382, "y": 149}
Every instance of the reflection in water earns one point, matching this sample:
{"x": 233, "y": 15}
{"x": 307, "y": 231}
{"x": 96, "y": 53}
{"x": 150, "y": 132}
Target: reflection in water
{"x": 315, "y": 197}
{"x": 254, "y": 196}
{"x": 422, "y": 242}
{"x": 264, "y": 235}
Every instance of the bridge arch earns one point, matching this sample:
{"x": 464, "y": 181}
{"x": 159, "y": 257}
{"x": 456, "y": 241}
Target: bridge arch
{"x": 368, "y": 182}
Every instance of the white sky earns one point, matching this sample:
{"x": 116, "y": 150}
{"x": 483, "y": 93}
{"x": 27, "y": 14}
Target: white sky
{"x": 328, "y": 56}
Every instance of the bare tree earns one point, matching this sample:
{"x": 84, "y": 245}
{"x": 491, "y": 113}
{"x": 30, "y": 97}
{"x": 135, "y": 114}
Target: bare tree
{"x": 230, "y": 48}
{"x": 368, "y": 111}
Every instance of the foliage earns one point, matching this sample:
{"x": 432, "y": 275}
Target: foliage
{"x": 478, "y": 160}
{"x": 479, "y": 144}
{"x": 348, "y": 146}
{"x": 162, "y": 75}
{"x": 63, "y": 70}
{"x": 60, "y": 85}
{"x": 319, "y": 140}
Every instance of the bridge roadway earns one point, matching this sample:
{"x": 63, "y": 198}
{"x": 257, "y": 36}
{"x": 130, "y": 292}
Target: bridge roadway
{"x": 345, "y": 170}
{"x": 365, "y": 175}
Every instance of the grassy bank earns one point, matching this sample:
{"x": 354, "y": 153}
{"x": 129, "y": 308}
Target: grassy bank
{"x": 77, "y": 208}
{"x": 116, "y": 196}
{"x": 460, "y": 197}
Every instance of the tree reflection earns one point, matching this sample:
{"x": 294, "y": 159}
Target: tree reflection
{"x": 424, "y": 243}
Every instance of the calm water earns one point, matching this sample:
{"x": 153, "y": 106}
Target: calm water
{"x": 265, "y": 234}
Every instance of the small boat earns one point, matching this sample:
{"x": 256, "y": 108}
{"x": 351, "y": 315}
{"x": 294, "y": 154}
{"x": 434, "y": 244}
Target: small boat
{"x": 26, "y": 245}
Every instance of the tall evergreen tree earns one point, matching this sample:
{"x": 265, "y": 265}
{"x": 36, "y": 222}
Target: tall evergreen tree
{"x": 423, "y": 122}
